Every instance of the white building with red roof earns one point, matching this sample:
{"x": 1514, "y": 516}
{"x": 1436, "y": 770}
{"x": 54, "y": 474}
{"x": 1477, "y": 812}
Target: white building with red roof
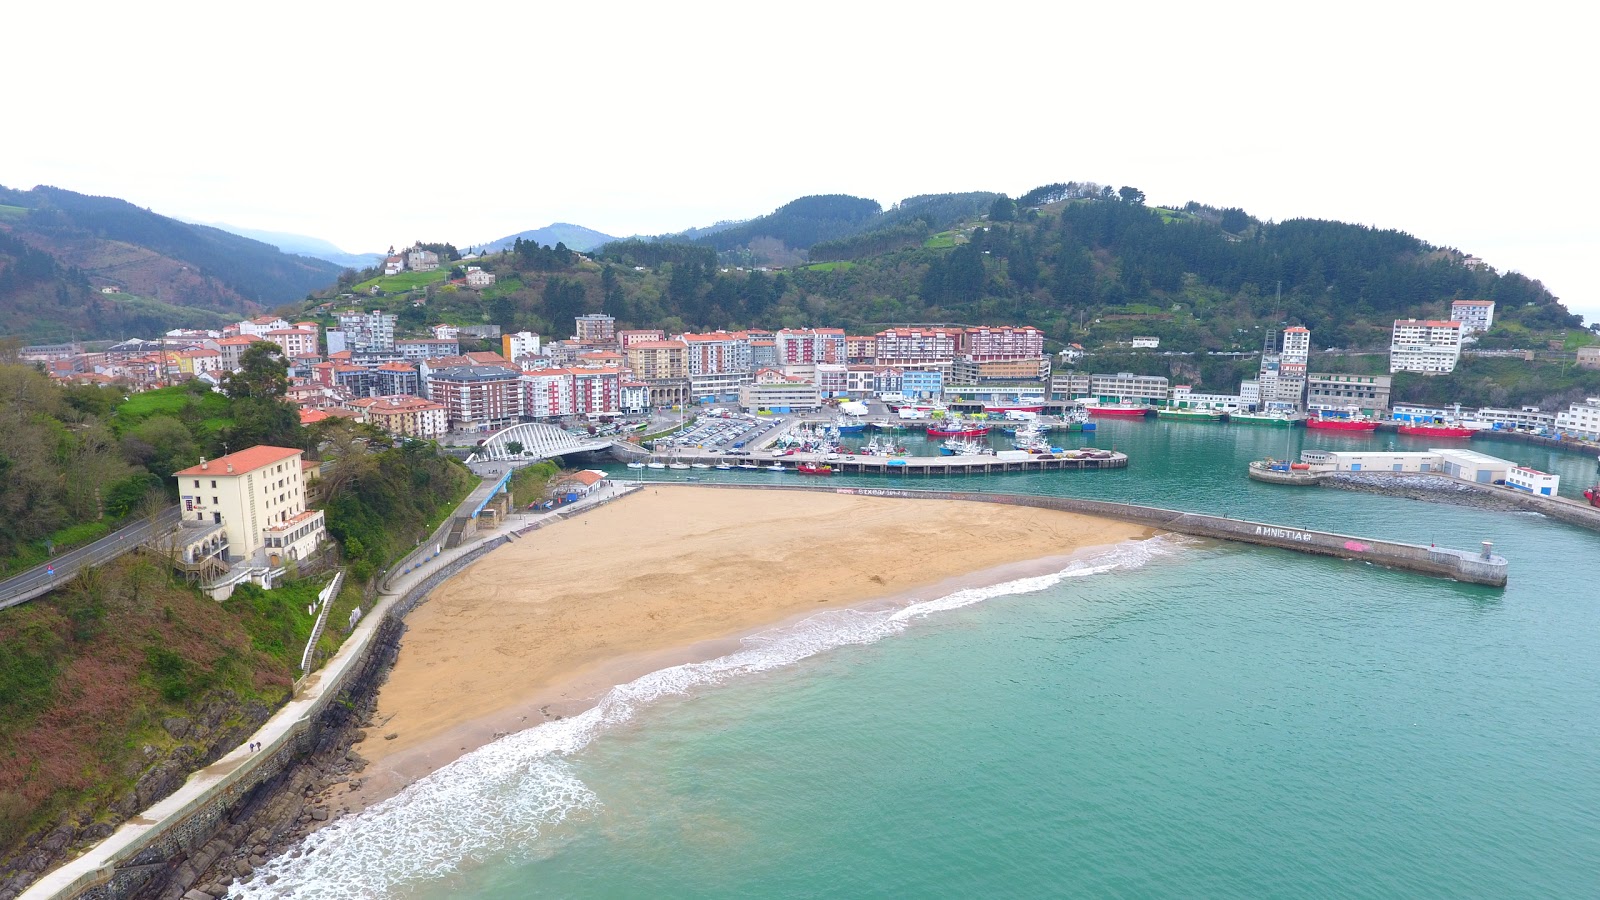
{"x": 258, "y": 497}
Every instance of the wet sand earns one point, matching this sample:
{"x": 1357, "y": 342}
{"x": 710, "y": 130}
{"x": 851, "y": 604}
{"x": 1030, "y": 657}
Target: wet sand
{"x": 542, "y": 627}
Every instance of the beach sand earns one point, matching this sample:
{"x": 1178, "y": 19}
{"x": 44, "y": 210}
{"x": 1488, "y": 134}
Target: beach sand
{"x": 542, "y": 627}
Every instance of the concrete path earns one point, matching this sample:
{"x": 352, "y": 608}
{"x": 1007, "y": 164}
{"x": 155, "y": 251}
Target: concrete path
{"x": 281, "y": 729}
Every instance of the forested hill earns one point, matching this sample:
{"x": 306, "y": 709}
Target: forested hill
{"x": 1084, "y": 262}
{"x": 168, "y": 272}
{"x": 784, "y": 236}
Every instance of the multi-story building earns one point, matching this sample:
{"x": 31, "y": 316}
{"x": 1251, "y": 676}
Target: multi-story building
{"x": 427, "y": 348}
{"x": 478, "y": 278}
{"x": 967, "y": 370}
{"x": 232, "y": 348}
{"x": 634, "y": 398}
{"x": 1069, "y": 385}
{"x": 801, "y": 346}
{"x": 1581, "y": 420}
{"x": 657, "y": 360}
{"x": 781, "y": 396}
{"x": 258, "y": 497}
{"x": 260, "y": 325}
{"x": 1185, "y": 397}
{"x": 516, "y": 346}
{"x": 628, "y": 338}
{"x": 596, "y": 328}
{"x": 1475, "y": 316}
{"x": 717, "y": 353}
{"x": 547, "y": 393}
{"x": 763, "y": 352}
{"x": 294, "y": 341}
{"x": 477, "y": 398}
{"x": 396, "y": 378}
{"x": 1429, "y": 346}
{"x": 404, "y": 416}
{"x": 986, "y": 343}
{"x": 832, "y": 379}
{"x": 861, "y": 349}
{"x": 368, "y": 332}
{"x": 1292, "y": 365}
{"x": 1369, "y": 394}
{"x": 917, "y": 346}
{"x": 861, "y": 381}
{"x": 1528, "y": 418}
{"x": 596, "y": 392}
{"x": 1126, "y": 387}
{"x": 888, "y": 381}
{"x": 922, "y": 384}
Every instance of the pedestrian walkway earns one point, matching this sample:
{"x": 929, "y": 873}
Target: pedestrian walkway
{"x": 284, "y": 727}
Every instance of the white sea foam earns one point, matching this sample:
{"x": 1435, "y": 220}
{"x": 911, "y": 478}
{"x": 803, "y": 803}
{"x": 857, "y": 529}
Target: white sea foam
{"x": 502, "y": 795}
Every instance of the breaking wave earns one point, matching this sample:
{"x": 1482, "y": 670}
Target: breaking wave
{"x": 502, "y": 795}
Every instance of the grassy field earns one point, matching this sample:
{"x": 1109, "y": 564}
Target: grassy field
{"x": 405, "y": 281}
{"x": 836, "y": 266}
{"x": 173, "y": 401}
{"x": 941, "y": 241}
{"x": 12, "y": 212}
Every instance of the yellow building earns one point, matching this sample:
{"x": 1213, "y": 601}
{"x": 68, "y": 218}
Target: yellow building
{"x": 656, "y": 360}
{"x": 258, "y": 496}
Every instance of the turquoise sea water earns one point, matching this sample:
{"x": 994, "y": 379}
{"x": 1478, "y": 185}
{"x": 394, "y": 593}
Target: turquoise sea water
{"x": 1178, "y": 718}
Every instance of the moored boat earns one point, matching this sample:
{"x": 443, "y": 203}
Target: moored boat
{"x": 808, "y": 468}
{"x": 1281, "y": 419}
{"x": 1342, "y": 420}
{"x": 1192, "y": 415}
{"x": 1440, "y": 431}
{"x": 1120, "y": 410}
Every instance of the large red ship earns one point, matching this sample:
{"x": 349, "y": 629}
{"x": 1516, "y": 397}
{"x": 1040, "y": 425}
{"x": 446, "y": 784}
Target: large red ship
{"x": 1351, "y": 422}
{"x": 1124, "y": 410}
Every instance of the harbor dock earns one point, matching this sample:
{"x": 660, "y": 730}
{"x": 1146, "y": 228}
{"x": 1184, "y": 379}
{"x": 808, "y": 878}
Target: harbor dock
{"x": 1473, "y": 567}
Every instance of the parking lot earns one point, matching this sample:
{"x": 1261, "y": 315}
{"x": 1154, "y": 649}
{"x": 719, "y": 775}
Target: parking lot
{"x": 732, "y": 433}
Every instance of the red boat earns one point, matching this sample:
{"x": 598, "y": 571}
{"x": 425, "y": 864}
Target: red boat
{"x": 1118, "y": 409}
{"x": 1593, "y": 494}
{"x": 1442, "y": 431}
{"x": 807, "y": 468}
{"x": 957, "y": 430}
{"x": 1352, "y": 420}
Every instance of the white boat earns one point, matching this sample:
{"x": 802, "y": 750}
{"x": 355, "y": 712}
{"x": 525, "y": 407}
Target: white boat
{"x": 748, "y": 466}
{"x": 656, "y": 465}
{"x": 698, "y": 466}
{"x": 636, "y": 465}
{"x": 678, "y": 465}
{"x": 723, "y": 466}
{"x": 776, "y": 467}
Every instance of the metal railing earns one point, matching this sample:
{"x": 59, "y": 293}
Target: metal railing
{"x": 48, "y": 576}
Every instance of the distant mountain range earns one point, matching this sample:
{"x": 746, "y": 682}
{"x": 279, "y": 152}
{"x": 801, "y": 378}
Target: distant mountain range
{"x": 59, "y": 249}
{"x": 302, "y": 245}
{"x": 576, "y": 237}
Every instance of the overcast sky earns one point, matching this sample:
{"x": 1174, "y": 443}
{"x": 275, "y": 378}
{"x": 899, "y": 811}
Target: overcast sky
{"x": 377, "y": 124}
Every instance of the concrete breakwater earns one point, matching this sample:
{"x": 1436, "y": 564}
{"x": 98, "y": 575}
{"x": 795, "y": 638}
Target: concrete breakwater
{"x": 1482, "y": 567}
{"x": 1438, "y": 488}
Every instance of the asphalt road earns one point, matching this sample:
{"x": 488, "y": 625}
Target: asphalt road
{"x": 39, "y": 579}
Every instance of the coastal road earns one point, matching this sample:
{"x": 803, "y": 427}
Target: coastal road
{"x": 42, "y": 578}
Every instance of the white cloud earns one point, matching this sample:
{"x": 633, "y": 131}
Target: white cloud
{"x": 371, "y": 124}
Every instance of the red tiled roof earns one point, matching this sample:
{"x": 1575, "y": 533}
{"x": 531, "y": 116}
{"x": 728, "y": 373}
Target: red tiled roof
{"x": 243, "y": 461}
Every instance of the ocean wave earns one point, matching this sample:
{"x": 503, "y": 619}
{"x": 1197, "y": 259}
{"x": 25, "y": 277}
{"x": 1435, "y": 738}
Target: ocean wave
{"x": 500, "y": 796}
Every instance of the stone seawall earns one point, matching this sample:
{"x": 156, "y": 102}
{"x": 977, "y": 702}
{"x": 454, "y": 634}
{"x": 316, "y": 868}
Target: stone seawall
{"x": 1437, "y": 488}
{"x": 1460, "y": 565}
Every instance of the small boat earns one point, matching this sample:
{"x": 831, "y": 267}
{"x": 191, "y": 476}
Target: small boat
{"x": 807, "y": 468}
{"x": 1120, "y": 410}
{"x": 723, "y": 466}
{"x": 1440, "y": 430}
{"x": 699, "y": 466}
{"x": 1592, "y": 494}
{"x": 749, "y": 466}
{"x": 678, "y": 466}
{"x": 656, "y": 465}
{"x": 957, "y": 428}
{"x": 776, "y": 467}
{"x": 636, "y": 465}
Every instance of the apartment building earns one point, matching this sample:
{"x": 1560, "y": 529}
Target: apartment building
{"x": 990, "y": 343}
{"x": 1475, "y": 316}
{"x": 918, "y": 346}
{"x": 258, "y": 497}
{"x": 861, "y": 349}
{"x": 516, "y": 346}
{"x": 596, "y": 328}
{"x": 368, "y": 332}
{"x": 1581, "y": 420}
{"x": 1429, "y": 346}
{"x": 403, "y": 416}
{"x": 393, "y": 378}
{"x": 656, "y": 360}
{"x": 295, "y": 341}
{"x": 802, "y": 346}
{"x": 717, "y": 353}
{"x": 477, "y": 398}
{"x": 1126, "y": 387}
{"x": 1334, "y": 390}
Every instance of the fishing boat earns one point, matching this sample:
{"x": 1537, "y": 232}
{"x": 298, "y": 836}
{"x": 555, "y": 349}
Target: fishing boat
{"x": 957, "y": 428}
{"x": 1440, "y": 430}
{"x": 1192, "y": 414}
{"x": 808, "y": 468}
{"x": 960, "y": 447}
{"x": 848, "y": 425}
{"x": 1349, "y": 419}
{"x": 1282, "y": 419}
{"x": 1120, "y": 410}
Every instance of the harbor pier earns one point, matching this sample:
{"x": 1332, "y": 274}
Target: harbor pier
{"x": 1473, "y": 567}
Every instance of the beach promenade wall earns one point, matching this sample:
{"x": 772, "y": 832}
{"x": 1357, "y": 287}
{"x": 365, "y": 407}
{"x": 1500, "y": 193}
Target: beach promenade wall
{"x": 1474, "y": 568}
{"x": 176, "y": 841}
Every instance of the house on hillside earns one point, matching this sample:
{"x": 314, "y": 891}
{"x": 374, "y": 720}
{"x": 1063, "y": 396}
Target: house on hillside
{"x": 420, "y": 260}
{"x": 394, "y": 265}
{"x": 478, "y": 278}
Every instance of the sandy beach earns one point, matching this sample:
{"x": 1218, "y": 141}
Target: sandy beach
{"x": 543, "y": 626}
